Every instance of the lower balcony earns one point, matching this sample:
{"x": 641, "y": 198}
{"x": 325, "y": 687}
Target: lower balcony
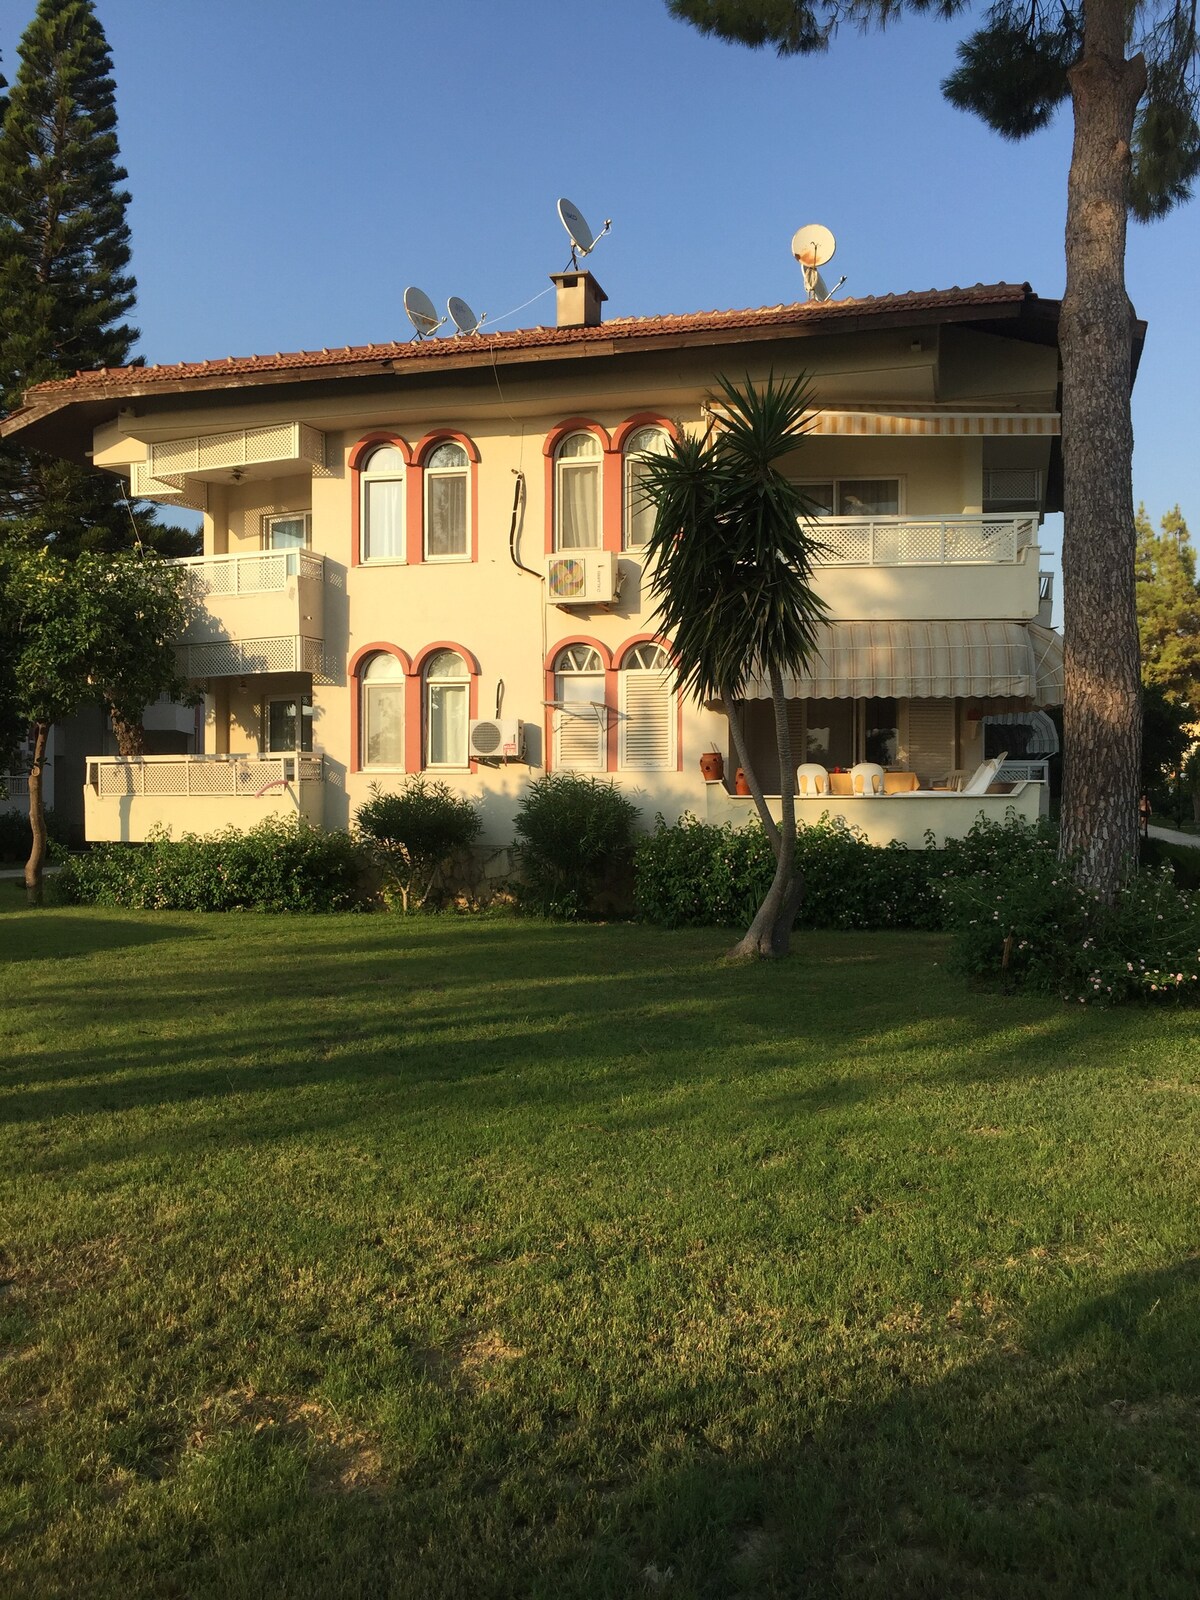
{"x": 242, "y": 658}
{"x": 126, "y": 800}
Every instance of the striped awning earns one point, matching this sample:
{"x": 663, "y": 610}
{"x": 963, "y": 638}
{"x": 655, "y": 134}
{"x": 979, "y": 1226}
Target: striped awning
{"x": 1042, "y": 736}
{"x": 929, "y": 660}
{"x": 909, "y": 422}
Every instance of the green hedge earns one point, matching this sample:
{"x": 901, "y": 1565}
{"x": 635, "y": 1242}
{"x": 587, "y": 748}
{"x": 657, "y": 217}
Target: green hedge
{"x": 16, "y": 840}
{"x": 696, "y": 874}
{"x": 280, "y": 865}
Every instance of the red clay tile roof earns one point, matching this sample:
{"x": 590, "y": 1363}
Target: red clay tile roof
{"x": 488, "y": 343}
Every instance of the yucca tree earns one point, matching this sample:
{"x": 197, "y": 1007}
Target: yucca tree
{"x": 730, "y": 564}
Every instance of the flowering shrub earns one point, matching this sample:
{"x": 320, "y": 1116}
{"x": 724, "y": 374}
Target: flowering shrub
{"x": 573, "y": 833}
{"x": 1031, "y": 924}
{"x": 280, "y": 865}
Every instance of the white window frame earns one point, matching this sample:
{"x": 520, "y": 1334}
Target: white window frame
{"x": 662, "y": 669}
{"x": 563, "y": 466}
{"x": 632, "y": 454}
{"x": 393, "y": 682}
{"x": 365, "y": 479}
{"x": 463, "y": 472}
{"x": 301, "y": 701}
{"x": 598, "y": 708}
{"x": 269, "y": 521}
{"x": 428, "y": 682}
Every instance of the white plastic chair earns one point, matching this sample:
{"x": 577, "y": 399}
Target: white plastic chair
{"x": 812, "y": 778}
{"x": 866, "y": 779}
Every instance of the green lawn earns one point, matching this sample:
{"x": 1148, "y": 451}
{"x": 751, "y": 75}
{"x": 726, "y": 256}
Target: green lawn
{"x": 450, "y": 1258}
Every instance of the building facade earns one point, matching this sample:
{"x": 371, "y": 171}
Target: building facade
{"x": 428, "y": 557}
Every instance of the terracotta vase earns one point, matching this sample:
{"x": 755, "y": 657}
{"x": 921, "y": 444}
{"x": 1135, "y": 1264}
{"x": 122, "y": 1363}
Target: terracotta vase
{"x": 712, "y": 766}
{"x": 739, "y": 782}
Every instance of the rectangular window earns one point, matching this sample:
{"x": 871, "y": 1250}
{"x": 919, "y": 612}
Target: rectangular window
{"x": 290, "y": 532}
{"x": 830, "y": 733}
{"x": 383, "y": 520}
{"x": 289, "y": 725}
{"x": 881, "y": 739}
{"x": 579, "y": 506}
{"x": 448, "y": 725}
{"x": 854, "y": 497}
{"x": 445, "y": 516}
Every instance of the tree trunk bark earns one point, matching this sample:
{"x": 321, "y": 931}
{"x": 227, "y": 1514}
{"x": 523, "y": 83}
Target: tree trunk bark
{"x": 770, "y": 933}
{"x": 1102, "y": 710}
{"x": 37, "y": 816}
{"x": 130, "y": 736}
{"x": 747, "y": 766}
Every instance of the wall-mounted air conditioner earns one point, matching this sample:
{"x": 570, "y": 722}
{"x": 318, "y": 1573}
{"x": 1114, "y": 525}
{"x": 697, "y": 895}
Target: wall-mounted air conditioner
{"x": 497, "y": 739}
{"x": 1012, "y": 489}
{"x": 582, "y": 578}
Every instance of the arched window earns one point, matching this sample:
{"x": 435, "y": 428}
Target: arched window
{"x": 447, "y": 709}
{"x": 646, "y": 727}
{"x": 447, "y": 533}
{"x": 382, "y": 711}
{"x": 383, "y": 505}
{"x": 580, "y": 714}
{"x": 577, "y": 493}
{"x": 639, "y": 512}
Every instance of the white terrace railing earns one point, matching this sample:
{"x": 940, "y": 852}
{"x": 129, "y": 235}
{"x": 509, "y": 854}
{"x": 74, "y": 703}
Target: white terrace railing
{"x": 14, "y": 786}
{"x": 1024, "y": 772}
{"x": 922, "y": 541}
{"x": 259, "y": 572}
{"x": 201, "y": 777}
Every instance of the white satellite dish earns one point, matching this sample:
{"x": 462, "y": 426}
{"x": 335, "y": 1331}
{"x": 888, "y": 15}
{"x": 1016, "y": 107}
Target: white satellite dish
{"x": 583, "y": 240}
{"x": 463, "y": 317}
{"x": 813, "y": 246}
{"x": 419, "y": 309}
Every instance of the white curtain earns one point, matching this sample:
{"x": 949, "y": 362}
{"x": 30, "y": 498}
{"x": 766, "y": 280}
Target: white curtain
{"x": 448, "y": 724}
{"x": 446, "y": 524}
{"x": 383, "y": 712}
{"x": 578, "y": 506}
{"x": 383, "y": 538}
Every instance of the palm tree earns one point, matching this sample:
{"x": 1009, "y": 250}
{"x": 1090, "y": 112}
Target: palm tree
{"x": 730, "y": 561}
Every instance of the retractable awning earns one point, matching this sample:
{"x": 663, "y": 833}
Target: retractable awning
{"x": 929, "y": 660}
{"x": 1042, "y": 738}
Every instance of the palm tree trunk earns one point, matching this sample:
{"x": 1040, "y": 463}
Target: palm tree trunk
{"x": 1102, "y": 702}
{"x": 37, "y": 816}
{"x": 747, "y": 766}
{"x": 770, "y": 934}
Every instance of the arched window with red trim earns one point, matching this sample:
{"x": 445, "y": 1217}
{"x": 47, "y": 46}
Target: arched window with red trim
{"x": 381, "y": 486}
{"x": 638, "y": 509}
{"x": 577, "y": 492}
{"x": 647, "y": 710}
{"x": 580, "y": 710}
{"x": 381, "y": 679}
{"x": 446, "y": 681}
{"x": 447, "y": 503}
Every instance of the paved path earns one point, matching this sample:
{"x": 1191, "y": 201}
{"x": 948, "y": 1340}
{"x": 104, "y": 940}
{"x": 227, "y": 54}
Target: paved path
{"x": 1173, "y": 836}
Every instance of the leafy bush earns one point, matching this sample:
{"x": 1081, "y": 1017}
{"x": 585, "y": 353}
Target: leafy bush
{"x": 16, "y": 839}
{"x": 1183, "y": 859}
{"x": 412, "y": 835}
{"x": 573, "y": 832}
{"x": 281, "y": 865}
{"x": 697, "y": 873}
{"x": 1032, "y": 925}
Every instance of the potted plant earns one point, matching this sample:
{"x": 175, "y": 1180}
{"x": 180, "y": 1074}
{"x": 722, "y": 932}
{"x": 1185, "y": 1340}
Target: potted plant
{"x": 712, "y": 766}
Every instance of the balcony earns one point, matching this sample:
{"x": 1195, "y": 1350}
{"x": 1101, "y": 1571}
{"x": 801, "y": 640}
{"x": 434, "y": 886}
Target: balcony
{"x": 126, "y": 799}
{"x": 14, "y": 791}
{"x": 935, "y": 568}
{"x": 260, "y": 612}
{"x": 924, "y": 541}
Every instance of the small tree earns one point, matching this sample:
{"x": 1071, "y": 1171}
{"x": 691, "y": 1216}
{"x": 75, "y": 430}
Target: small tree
{"x": 1168, "y": 606}
{"x": 412, "y": 836}
{"x": 98, "y": 627}
{"x": 730, "y": 560}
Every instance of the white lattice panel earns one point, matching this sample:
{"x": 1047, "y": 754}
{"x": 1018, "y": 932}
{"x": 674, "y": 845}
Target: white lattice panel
{"x": 277, "y": 443}
{"x": 118, "y": 780}
{"x": 844, "y": 545}
{"x": 905, "y": 542}
{"x": 229, "y": 659}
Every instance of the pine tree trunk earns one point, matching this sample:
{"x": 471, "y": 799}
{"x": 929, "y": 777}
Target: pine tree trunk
{"x": 1102, "y": 703}
{"x": 130, "y": 736}
{"x": 37, "y": 816}
{"x": 770, "y": 934}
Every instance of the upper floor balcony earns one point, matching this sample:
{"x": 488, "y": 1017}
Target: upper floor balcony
{"x": 929, "y": 567}
{"x": 259, "y": 612}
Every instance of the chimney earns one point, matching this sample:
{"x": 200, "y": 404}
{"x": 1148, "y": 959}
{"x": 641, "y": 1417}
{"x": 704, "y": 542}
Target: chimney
{"x": 579, "y": 299}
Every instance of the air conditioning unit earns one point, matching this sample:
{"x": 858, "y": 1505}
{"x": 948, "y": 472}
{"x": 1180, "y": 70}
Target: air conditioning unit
{"x": 584, "y": 578}
{"x": 1012, "y": 489}
{"x": 496, "y": 739}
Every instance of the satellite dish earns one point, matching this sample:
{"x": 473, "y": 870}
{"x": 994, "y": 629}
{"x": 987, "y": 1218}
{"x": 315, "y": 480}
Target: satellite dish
{"x": 583, "y": 240}
{"x": 813, "y": 245}
{"x": 420, "y": 311}
{"x": 464, "y": 318}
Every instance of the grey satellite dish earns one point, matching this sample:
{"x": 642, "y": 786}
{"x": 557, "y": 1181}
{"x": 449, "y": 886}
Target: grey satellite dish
{"x": 813, "y": 246}
{"x": 420, "y": 311}
{"x": 583, "y": 240}
{"x": 464, "y": 318}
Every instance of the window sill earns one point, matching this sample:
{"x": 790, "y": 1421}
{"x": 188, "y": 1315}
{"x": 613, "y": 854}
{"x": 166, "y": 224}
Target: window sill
{"x": 382, "y": 561}
{"x": 447, "y": 561}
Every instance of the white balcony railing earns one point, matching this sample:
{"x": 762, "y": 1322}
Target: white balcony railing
{"x": 922, "y": 541}
{"x": 1024, "y": 772}
{"x": 202, "y": 777}
{"x": 259, "y": 572}
{"x": 14, "y": 786}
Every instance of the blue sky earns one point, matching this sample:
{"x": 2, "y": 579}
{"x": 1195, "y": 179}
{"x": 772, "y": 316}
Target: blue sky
{"x": 295, "y": 163}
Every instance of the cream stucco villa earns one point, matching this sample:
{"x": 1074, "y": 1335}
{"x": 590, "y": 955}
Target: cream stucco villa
{"x": 425, "y": 556}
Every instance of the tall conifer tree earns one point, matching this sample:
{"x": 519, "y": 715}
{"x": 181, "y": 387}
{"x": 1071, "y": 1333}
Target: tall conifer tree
{"x": 65, "y": 287}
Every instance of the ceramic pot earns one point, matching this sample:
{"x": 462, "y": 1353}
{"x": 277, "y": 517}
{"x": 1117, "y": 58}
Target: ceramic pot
{"x": 712, "y": 766}
{"x": 739, "y": 782}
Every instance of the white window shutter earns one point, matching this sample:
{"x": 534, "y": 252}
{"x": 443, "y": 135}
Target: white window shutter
{"x": 647, "y": 728}
{"x": 929, "y": 739}
{"x": 580, "y": 739}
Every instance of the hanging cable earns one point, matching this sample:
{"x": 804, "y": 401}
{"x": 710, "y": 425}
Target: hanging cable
{"x": 515, "y": 526}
